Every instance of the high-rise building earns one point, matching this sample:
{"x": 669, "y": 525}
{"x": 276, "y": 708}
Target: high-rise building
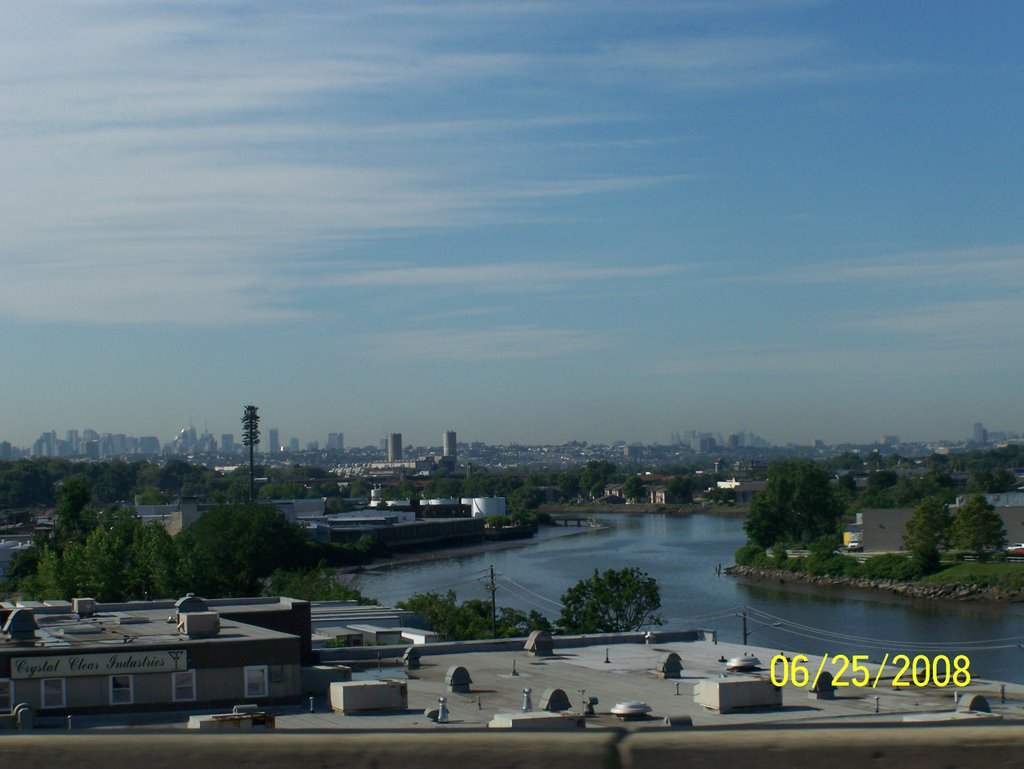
{"x": 394, "y": 447}
{"x": 980, "y": 433}
{"x": 274, "y": 441}
{"x": 293, "y": 445}
{"x": 448, "y": 445}
{"x": 335, "y": 441}
{"x": 227, "y": 443}
{"x": 149, "y": 444}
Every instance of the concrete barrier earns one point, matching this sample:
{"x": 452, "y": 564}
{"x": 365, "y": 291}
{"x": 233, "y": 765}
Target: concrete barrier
{"x": 992, "y": 747}
{"x": 923, "y": 747}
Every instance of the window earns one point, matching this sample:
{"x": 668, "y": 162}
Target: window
{"x": 256, "y": 681}
{"x": 184, "y": 683}
{"x": 122, "y": 690}
{"x": 53, "y": 692}
{"x": 6, "y": 694}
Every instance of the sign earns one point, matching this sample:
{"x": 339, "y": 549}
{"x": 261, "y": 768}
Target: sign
{"x": 120, "y": 663}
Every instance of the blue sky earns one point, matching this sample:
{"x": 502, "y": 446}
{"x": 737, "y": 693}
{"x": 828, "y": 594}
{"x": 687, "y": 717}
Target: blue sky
{"x": 527, "y": 221}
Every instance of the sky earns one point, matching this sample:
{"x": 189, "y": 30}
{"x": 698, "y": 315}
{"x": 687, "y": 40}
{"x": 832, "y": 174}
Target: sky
{"x": 524, "y": 220}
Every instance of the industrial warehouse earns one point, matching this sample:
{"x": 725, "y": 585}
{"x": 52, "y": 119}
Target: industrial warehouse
{"x": 59, "y": 657}
{"x": 243, "y": 663}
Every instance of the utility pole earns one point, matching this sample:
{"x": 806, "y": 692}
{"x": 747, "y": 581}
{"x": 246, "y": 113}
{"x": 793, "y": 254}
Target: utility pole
{"x": 492, "y": 587}
{"x": 744, "y": 615}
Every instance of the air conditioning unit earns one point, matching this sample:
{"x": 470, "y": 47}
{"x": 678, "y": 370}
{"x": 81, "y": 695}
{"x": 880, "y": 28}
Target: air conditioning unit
{"x": 83, "y": 607}
{"x": 199, "y": 624}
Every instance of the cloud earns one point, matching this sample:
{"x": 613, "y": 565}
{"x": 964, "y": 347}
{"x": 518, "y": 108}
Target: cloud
{"x": 499, "y": 278}
{"x": 154, "y": 152}
{"x": 500, "y": 343}
{"x": 974, "y": 264}
{"x": 975, "y": 322}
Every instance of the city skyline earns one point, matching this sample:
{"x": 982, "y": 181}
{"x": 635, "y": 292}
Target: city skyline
{"x": 537, "y": 221}
{"x": 189, "y": 439}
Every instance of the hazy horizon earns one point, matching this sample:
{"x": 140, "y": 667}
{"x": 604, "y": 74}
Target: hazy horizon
{"x": 526, "y": 220}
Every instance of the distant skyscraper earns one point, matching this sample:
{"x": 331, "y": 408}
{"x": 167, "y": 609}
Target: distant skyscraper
{"x": 227, "y": 443}
{"x": 335, "y": 441}
{"x": 394, "y": 447}
{"x": 980, "y": 433}
{"x": 274, "y": 441}
{"x": 149, "y": 444}
{"x": 448, "y": 448}
{"x": 293, "y": 445}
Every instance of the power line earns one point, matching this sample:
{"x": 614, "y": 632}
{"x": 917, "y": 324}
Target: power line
{"x": 821, "y": 634}
{"x": 507, "y": 578}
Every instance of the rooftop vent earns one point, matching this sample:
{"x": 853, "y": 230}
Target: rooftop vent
{"x": 630, "y": 710}
{"x": 457, "y": 679}
{"x": 555, "y": 700}
{"x": 540, "y": 644}
{"x": 21, "y": 626}
{"x": 670, "y": 666}
{"x": 190, "y": 603}
{"x": 411, "y": 658}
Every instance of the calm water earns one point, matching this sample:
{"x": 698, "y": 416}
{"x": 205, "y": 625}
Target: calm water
{"x": 682, "y": 554}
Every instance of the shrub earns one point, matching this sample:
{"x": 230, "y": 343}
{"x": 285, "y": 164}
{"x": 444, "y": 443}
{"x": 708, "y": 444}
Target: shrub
{"x": 752, "y": 555}
{"x": 898, "y": 567}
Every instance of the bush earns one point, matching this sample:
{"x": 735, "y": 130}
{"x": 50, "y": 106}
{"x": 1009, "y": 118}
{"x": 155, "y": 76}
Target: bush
{"x": 898, "y": 567}
{"x": 831, "y": 565}
{"x": 752, "y": 555}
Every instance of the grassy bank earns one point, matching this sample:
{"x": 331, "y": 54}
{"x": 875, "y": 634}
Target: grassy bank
{"x": 1006, "y": 576}
{"x": 998, "y": 577}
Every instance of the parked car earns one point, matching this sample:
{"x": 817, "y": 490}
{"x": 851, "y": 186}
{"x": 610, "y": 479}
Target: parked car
{"x": 1017, "y": 548}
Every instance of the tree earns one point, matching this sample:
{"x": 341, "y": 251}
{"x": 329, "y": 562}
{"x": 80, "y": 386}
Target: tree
{"x": 251, "y": 438}
{"x": 73, "y": 516}
{"x": 119, "y": 560}
{"x": 471, "y": 619}
{"x": 926, "y": 532}
{"x": 679, "y": 490}
{"x": 798, "y": 504}
{"x": 633, "y": 488}
{"x": 612, "y": 602}
{"x": 232, "y": 547}
{"x": 596, "y": 475}
{"x": 317, "y": 584}
{"x": 977, "y": 527}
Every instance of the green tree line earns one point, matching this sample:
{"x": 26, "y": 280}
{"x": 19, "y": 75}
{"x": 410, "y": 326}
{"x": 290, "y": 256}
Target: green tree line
{"x": 232, "y": 550}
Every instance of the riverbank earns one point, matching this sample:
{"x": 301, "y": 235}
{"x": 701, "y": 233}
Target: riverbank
{"x": 601, "y": 508}
{"x": 926, "y": 591}
{"x": 545, "y": 534}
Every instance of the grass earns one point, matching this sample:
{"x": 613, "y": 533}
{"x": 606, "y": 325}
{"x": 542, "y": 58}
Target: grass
{"x": 1003, "y": 575}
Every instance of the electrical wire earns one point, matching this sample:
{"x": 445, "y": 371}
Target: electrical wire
{"x": 449, "y": 585}
{"x": 761, "y": 615}
{"x": 720, "y": 614}
{"x": 506, "y": 578}
{"x": 527, "y": 599}
{"x": 820, "y": 634}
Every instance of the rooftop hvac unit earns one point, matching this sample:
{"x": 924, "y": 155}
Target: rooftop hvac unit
{"x": 83, "y": 607}
{"x": 199, "y": 624}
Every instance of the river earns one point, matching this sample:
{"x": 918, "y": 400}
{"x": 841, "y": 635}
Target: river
{"x": 682, "y": 553}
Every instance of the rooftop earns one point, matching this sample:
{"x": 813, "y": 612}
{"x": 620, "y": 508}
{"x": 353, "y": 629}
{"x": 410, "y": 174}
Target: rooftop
{"x": 614, "y": 671}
